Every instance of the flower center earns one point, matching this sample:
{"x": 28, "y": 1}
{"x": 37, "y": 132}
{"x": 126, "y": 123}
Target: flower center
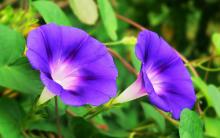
{"x": 155, "y": 81}
{"x": 65, "y": 75}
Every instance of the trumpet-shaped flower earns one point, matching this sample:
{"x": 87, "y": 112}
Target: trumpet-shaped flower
{"x": 73, "y": 65}
{"x": 163, "y": 76}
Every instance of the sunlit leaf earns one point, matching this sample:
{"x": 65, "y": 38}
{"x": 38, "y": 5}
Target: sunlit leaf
{"x": 214, "y": 96}
{"x": 199, "y": 83}
{"x": 211, "y": 93}
{"x": 85, "y": 10}
{"x": 108, "y": 18}
{"x": 51, "y": 13}
{"x": 190, "y": 125}
{"x": 216, "y": 42}
{"x": 212, "y": 127}
{"x": 202, "y": 86}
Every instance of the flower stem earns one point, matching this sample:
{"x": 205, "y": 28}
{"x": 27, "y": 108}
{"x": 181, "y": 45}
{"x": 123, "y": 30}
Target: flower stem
{"x": 113, "y": 43}
{"x": 24, "y": 134}
{"x": 57, "y": 118}
{"x": 123, "y": 61}
{"x": 143, "y": 128}
{"x": 209, "y": 69}
{"x": 90, "y": 116}
{"x": 171, "y": 120}
{"x": 133, "y": 23}
{"x": 95, "y": 111}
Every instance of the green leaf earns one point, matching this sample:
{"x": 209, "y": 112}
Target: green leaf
{"x": 51, "y": 12}
{"x": 136, "y": 63}
{"x": 151, "y": 113}
{"x": 85, "y": 10}
{"x": 83, "y": 129}
{"x": 79, "y": 111}
{"x": 108, "y": 18}
{"x": 21, "y": 77}
{"x": 190, "y": 125}
{"x": 43, "y": 125}
{"x": 216, "y": 42}
{"x": 119, "y": 120}
{"x": 156, "y": 18}
{"x": 214, "y": 96}
{"x": 49, "y": 125}
{"x": 128, "y": 116}
{"x": 211, "y": 93}
{"x": 212, "y": 127}
{"x": 202, "y": 86}
{"x": 15, "y": 71}
{"x": 11, "y": 117}
{"x": 11, "y": 45}
{"x": 199, "y": 83}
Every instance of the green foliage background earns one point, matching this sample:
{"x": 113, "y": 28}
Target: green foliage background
{"x": 192, "y": 27}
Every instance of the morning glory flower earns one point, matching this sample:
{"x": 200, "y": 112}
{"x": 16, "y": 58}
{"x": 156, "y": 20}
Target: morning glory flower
{"x": 163, "y": 76}
{"x": 72, "y": 64}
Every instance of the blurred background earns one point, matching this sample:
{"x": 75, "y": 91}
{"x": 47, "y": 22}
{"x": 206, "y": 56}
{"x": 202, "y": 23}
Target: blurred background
{"x": 192, "y": 27}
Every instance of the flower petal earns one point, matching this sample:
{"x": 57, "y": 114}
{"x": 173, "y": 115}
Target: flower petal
{"x": 51, "y": 84}
{"x": 72, "y": 64}
{"x": 45, "y": 96}
{"x": 86, "y": 96}
{"x": 50, "y": 42}
{"x": 162, "y": 67}
{"x": 132, "y": 92}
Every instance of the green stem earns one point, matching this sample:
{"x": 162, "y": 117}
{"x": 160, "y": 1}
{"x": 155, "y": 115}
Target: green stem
{"x": 113, "y": 103}
{"x": 113, "y": 43}
{"x": 144, "y": 127}
{"x": 24, "y": 134}
{"x": 29, "y": 118}
{"x": 209, "y": 69}
{"x": 132, "y": 135}
{"x": 91, "y": 111}
{"x": 57, "y": 118}
{"x": 95, "y": 111}
{"x": 90, "y": 116}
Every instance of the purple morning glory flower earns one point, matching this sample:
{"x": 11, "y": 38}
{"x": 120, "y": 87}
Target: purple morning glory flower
{"x": 73, "y": 65}
{"x": 163, "y": 76}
